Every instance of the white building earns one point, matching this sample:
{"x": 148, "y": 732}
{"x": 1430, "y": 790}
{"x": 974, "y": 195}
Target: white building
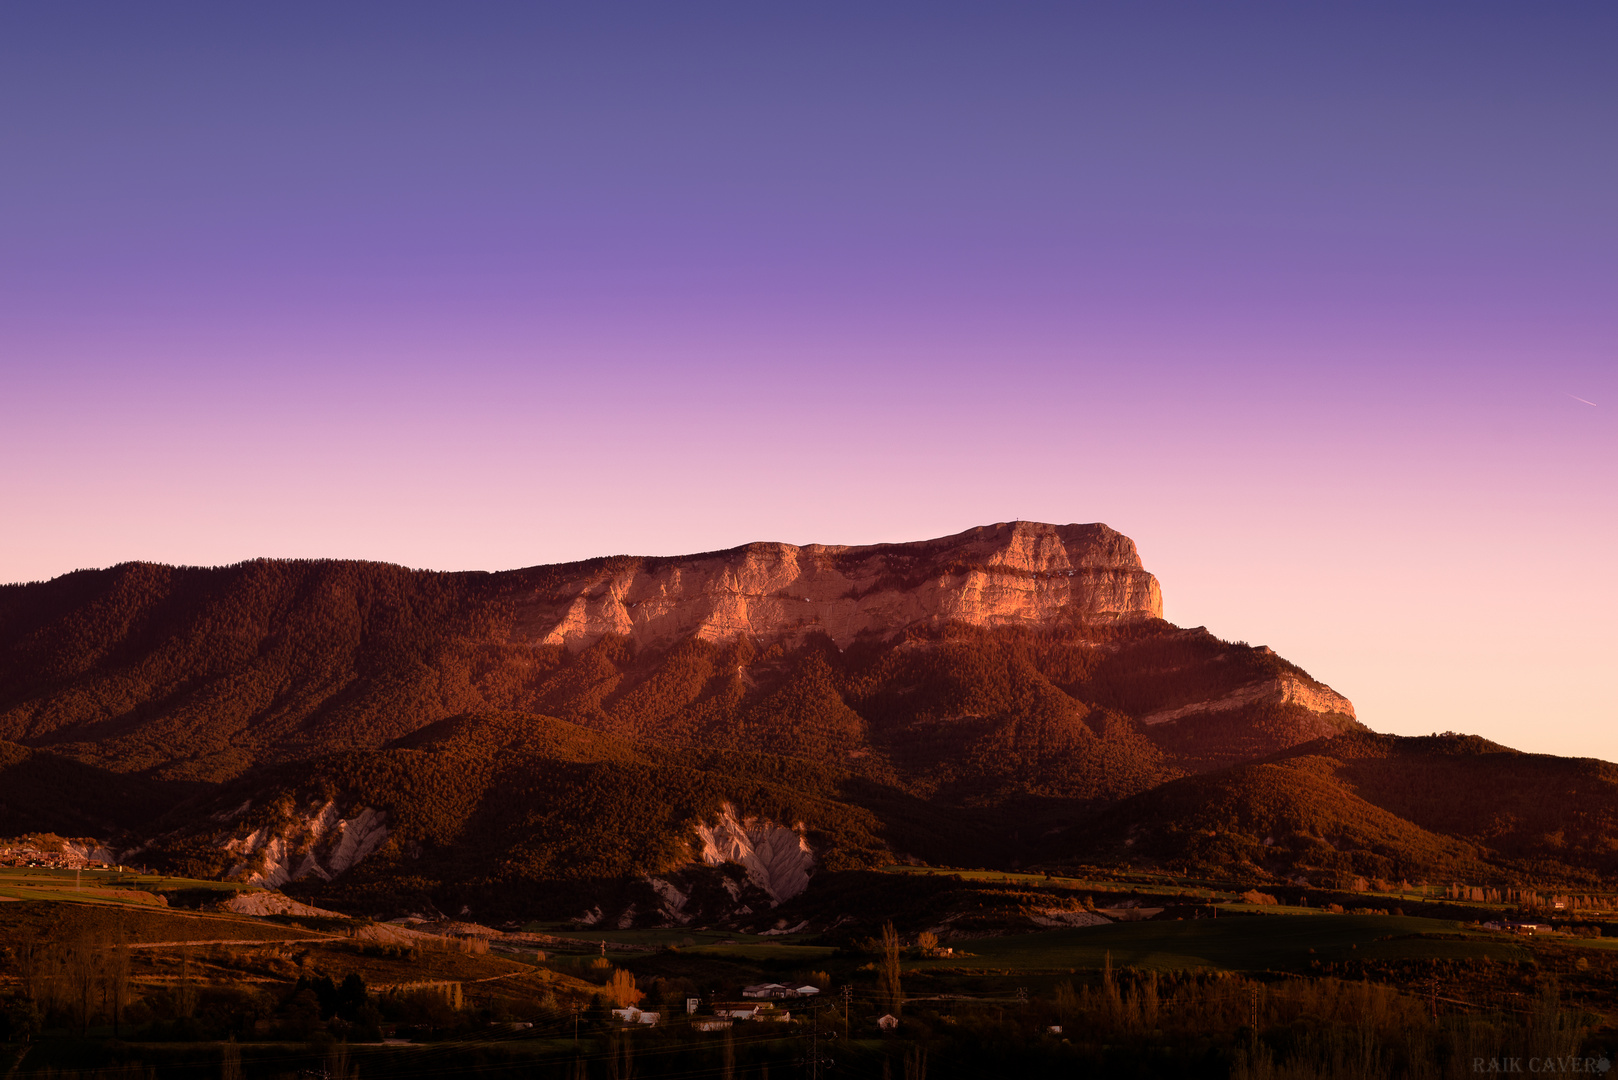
{"x": 633, "y": 1015}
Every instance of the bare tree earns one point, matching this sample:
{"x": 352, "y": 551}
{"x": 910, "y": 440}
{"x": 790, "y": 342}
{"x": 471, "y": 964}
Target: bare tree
{"x": 888, "y": 977}
{"x": 337, "y": 1065}
{"x": 115, "y": 975}
{"x": 230, "y": 1065}
{"x": 81, "y": 964}
{"x": 620, "y": 1060}
{"x": 187, "y": 1003}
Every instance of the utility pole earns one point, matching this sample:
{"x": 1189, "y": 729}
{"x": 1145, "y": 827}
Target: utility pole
{"x": 848, "y": 995}
{"x": 814, "y": 1060}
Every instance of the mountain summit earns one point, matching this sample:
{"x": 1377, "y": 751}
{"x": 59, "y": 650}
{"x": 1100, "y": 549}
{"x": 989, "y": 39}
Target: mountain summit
{"x": 1019, "y": 573}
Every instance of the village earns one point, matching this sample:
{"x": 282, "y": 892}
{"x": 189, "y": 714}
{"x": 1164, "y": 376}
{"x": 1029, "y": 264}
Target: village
{"x": 758, "y": 1005}
{"x": 45, "y": 854}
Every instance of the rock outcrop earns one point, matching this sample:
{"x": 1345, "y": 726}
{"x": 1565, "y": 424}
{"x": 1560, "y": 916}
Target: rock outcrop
{"x": 1286, "y": 690}
{"x": 777, "y": 859}
{"x": 318, "y": 842}
{"x": 1010, "y": 574}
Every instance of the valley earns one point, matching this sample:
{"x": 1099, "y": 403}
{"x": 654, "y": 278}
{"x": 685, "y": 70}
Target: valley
{"x": 1213, "y": 978}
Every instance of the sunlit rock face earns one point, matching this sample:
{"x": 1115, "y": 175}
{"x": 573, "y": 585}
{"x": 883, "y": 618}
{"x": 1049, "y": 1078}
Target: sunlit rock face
{"x": 777, "y": 859}
{"x": 1017, "y": 573}
{"x": 316, "y": 841}
{"x": 1287, "y": 690}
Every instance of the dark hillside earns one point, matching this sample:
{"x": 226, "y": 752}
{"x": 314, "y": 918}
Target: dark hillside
{"x": 45, "y": 792}
{"x": 1530, "y": 808}
{"x": 1443, "y": 806}
{"x": 1272, "y": 821}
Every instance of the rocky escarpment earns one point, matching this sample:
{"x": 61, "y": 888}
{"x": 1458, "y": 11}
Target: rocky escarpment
{"x": 743, "y": 865}
{"x": 1017, "y": 573}
{"x": 186, "y": 674}
{"x": 1287, "y": 689}
{"x": 777, "y": 859}
{"x": 317, "y": 841}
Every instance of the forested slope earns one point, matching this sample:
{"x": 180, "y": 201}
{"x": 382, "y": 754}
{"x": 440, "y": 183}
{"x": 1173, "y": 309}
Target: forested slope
{"x": 198, "y": 675}
{"x": 1447, "y": 806}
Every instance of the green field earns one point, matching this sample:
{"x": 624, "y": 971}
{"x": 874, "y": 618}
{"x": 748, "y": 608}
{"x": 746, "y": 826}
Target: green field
{"x": 726, "y": 943}
{"x": 1131, "y": 882}
{"x": 1235, "y": 944}
{"x": 771, "y": 951}
{"x": 660, "y": 937}
{"x": 1179, "y": 887}
{"x": 100, "y": 886}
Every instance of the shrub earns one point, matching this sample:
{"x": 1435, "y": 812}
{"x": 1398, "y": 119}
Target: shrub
{"x": 621, "y": 990}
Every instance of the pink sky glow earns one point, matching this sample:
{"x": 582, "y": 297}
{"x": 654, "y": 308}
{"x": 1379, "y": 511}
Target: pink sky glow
{"x": 1301, "y": 303}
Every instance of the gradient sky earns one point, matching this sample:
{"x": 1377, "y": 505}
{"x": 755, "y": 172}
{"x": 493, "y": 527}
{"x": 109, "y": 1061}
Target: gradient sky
{"x": 1302, "y": 298}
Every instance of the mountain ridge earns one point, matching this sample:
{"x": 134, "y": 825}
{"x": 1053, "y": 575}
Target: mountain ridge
{"x": 197, "y": 674}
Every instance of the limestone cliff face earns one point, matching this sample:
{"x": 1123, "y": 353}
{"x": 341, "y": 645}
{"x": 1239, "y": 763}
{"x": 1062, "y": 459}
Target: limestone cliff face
{"x": 1017, "y": 573}
{"x": 1286, "y": 690}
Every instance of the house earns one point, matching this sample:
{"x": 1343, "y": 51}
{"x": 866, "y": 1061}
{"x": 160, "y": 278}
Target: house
{"x": 737, "y": 1012}
{"x": 1529, "y": 928}
{"x": 767, "y": 990}
{"x": 887, "y": 1022}
{"x": 633, "y": 1015}
{"x": 712, "y": 1024}
{"x": 777, "y": 991}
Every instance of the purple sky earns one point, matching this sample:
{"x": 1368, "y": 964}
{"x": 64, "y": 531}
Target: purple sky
{"x": 1299, "y": 299}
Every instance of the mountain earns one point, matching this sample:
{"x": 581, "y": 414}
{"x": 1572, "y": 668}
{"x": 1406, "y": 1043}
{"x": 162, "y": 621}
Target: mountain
{"x": 1017, "y": 656}
{"x": 596, "y": 736}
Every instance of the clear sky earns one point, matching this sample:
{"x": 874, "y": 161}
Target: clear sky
{"x": 1302, "y": 297}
